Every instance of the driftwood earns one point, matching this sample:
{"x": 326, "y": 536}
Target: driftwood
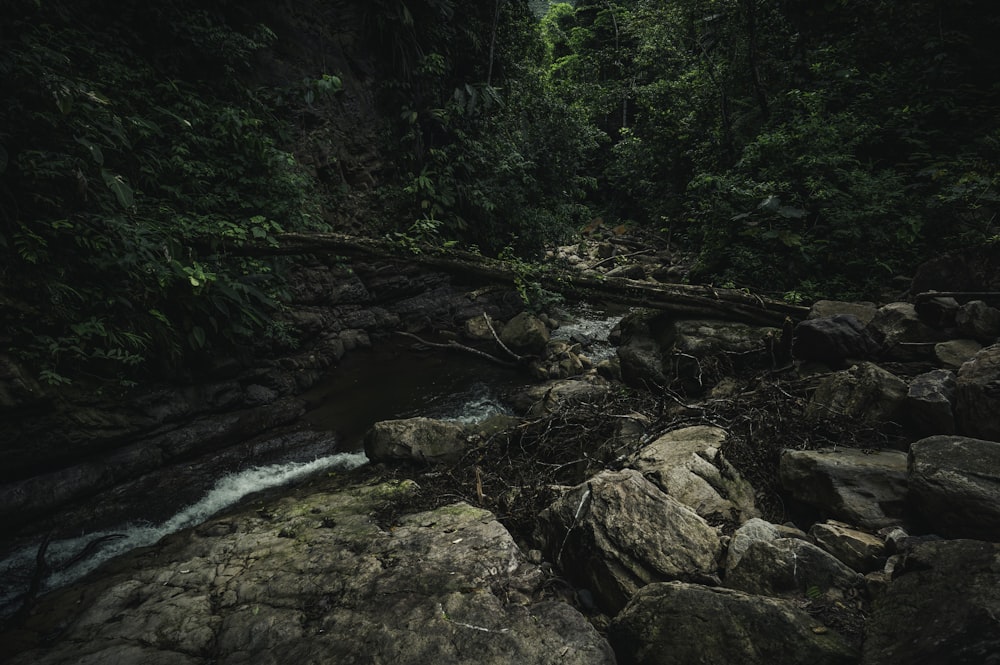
{"x": 687, "y": 300}
{"x": 455, "y": 346}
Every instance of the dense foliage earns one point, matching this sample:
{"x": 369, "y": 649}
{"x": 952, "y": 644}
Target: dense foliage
{"x": 134, "y": 160}
{"x": 809, "y": 147}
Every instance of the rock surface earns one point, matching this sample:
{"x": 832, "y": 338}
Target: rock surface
{"x": 929, "y": 403}
{"x": 977, "y": 398}
{"x": 688, "y": 465}
{"x": 618, "y": 532}
{"x": 833, "y": 340}
{"x": 312, "y": 579}
{"x": 682, "y": 624}
{"x": 863, "y": 488}
{"x": 942, "y": 607}
{"x": 955, "y": 485}
{"x": 861, "y": 551}
{"x": 865, "y": 392}
{"x": 416, "y": 439}
{"x": 790, "y": 566}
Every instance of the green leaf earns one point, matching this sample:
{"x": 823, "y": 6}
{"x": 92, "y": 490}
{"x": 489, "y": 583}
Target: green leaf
{"x": 198, "y": 337}
{"x": 117, "y": 184}
{"x": 95, "y": 150}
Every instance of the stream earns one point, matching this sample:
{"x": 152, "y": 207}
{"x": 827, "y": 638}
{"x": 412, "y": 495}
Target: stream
{"x": 389, "y": 381}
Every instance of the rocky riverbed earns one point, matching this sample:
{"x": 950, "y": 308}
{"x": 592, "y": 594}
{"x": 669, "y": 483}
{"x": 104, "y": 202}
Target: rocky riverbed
{"x": 713, "y": 492}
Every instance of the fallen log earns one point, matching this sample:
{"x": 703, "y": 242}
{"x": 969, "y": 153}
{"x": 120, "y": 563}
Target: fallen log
{"x": 684, "y": 299}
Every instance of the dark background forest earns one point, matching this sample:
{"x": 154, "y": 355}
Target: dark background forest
{"x": 150, "y": 153}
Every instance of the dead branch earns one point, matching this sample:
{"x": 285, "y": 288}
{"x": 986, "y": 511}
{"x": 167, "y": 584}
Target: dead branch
{"x": 455, "y": 346}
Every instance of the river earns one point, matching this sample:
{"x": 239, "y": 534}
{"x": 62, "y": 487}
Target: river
{"x": 389, "y": 381}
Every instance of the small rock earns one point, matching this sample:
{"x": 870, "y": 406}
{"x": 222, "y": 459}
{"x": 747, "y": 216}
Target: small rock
{"x": 859, "y": 550}
{"x": 525, "y": 333}
{"x": 953, "y": 353}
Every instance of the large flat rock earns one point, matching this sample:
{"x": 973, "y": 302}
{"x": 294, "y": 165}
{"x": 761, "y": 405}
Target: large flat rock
{"x": 313, "y": 579}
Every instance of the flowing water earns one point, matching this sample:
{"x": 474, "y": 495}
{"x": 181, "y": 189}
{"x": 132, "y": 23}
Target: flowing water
{"x": 391, "y": 381}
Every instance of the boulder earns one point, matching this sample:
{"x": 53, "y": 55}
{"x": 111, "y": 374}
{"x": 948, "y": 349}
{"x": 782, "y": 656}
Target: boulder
{"x": 942, "y": 607}
{"x": 618, "y": 532}
{"x": 312, "y": 578}
{"x": 859, "y": 550}
{"x": 675, "y": 623}
{"x": 899, "y": 324}
{"x": 833, "y": 340}
{"x": 865, "y": 392}
{"x": 753, "y": 530}
{"x": 540, "y": 399}
{"x": 415, "y": 439}
{"x": 979, "y": 321}
{"x": 929, "y": 402}
{"x": 977, "y": 395}
{"x": 866, "y": 488}
{"x": 937, "y": 312}
{"x": 688, "y": 465}
{"x": 955, "y": 486}
{"x": 791, "y": 566}
{"x": 477, "y": 329}
{"x": 701, "y": 338}
{"x": 525, "y": 333}
{"x": 953, "y": 353}
{"x": 862, "y": 311}
{"x": 644, "y": 335}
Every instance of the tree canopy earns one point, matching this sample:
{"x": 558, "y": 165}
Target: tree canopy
{"x": 805, "y": 148}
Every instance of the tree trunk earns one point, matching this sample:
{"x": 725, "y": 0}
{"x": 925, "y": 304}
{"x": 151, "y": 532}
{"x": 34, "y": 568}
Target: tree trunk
{"x": 687, "y": 300}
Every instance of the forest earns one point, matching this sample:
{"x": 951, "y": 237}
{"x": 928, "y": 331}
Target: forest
{"x": 152, "y": 153}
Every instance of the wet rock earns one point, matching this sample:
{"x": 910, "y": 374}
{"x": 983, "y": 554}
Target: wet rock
{"x": 618, "y": 532}
{"x": 680, "y": 624}
{"x": 833, "y": 340}
{"x": 865, "y": 392}
{"x": 791, "y": 566}
{"x": 319, "y": 581}
{"x": 953, "y": 353}
{"x": 977, "y": 395}
{"x": 864, "y": 312}
{"x": 941, "y": 607}
{"x": 979, "y": 321}
{"x": 866, "y": 488}
{"x": 929, "y": 402}
{"x": 955, "y": 484}
{"x": 688, "y": 465}
{"x": 415, "y": 439}
{"x": 525, "y": 333}
{"x": 859, "y": 550}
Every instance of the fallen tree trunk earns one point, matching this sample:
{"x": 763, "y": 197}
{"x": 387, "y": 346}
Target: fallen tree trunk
{"x": 687, "y": 300}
